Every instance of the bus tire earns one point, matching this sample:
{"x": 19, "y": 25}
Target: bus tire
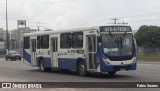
{"x": 112, "y": 73}
{"x": 41, "y": 66}
{"x": 82, "y": 71}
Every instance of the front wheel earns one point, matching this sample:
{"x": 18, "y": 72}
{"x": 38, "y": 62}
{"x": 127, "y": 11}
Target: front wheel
{"x": 112, "y": 73}
{"x": 41, "y": 66}
{"x": 81, "y": 69}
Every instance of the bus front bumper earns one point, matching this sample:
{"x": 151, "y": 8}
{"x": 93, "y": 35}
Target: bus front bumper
{"x": 114, "y": 68}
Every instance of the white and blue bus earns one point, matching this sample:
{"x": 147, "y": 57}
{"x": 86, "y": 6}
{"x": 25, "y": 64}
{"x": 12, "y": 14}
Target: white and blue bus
{"x": 103, "y": 49}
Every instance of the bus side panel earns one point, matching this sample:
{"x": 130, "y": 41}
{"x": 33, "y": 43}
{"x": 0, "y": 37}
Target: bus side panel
{"x": 47, "y": 62}
{"x": 67, "y": 63}
{"x": 26, "y": 55}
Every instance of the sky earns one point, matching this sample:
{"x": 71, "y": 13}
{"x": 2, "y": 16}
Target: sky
{"x": 62, "y": 14}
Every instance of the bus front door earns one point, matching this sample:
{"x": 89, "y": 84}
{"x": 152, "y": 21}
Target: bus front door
{"x": 91, "y": 51}
{"x": 54, "y": 44}
{"x": 33, "y": 52}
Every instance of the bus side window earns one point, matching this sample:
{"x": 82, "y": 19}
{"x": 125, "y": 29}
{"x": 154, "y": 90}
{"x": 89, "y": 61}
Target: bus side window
{"x": 45, "y": 41}
{"x": 26, "y": 42}
{"x": 65, "y": 40}
{"x": 77, "y": 39}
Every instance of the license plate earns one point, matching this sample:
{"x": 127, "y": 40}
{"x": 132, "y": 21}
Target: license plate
{"x": 122, "y": 69}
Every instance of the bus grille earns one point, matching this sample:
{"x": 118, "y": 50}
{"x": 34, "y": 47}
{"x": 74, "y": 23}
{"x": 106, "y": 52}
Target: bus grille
{"x": 121, "y": 67}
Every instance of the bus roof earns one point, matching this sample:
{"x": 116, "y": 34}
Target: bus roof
{"x": 66, "y": 30}
{"x": 62, "y": 31}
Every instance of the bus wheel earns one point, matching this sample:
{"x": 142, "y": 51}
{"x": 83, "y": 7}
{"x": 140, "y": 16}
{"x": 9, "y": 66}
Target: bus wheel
{"x": 41, "y": 66}
{"x": 112, "y": 73}
{"x": 81, "y": 69}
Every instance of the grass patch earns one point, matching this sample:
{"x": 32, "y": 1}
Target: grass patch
{"x": 149, "y": 58}
{"x": 2, "y": 56}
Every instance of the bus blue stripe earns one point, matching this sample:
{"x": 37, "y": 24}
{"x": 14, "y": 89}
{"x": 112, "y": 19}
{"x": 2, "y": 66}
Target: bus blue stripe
{"x": 47, "y": 62}
{"x": 26, "y": 56}
{"x": 67, "y": 63}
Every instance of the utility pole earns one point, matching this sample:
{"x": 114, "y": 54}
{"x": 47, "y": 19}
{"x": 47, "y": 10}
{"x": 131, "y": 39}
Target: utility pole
{"x": 115, "y": 20}
{"x": 7, "y": 37}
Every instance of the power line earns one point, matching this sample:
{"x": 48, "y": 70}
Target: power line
{"x": 123, "y": 23}
{"x": 145, "y": 20}
{"x": 136, "y": 15}
{"x": 115, "y": 21}
{"x": 140, "y": 15}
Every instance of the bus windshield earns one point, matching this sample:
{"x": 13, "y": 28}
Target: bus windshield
{"x": 118, "y": 47}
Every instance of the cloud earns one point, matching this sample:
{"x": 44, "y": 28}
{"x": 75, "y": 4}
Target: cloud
{"x": 78, "y": 13}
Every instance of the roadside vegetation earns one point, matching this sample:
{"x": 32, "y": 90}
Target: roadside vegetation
{"x": 149, "y": 58}
{"x": 148, "y": 41}
{"x": 2, "y": 56}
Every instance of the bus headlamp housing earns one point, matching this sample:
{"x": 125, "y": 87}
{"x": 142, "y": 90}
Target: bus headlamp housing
{"x": 106, "y": 61}
{"x": 134, "y": 60}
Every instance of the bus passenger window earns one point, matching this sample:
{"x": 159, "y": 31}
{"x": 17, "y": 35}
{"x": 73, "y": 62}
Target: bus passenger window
{"x": 77, "y": 39}
{"x": 26, "y": 42}
{"x": 45, "y": 41}
{"x": 65, "y": 40}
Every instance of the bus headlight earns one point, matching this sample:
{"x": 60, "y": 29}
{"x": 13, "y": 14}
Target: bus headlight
{"x": 134, "y": 60}
{"x": 106, "y": 61}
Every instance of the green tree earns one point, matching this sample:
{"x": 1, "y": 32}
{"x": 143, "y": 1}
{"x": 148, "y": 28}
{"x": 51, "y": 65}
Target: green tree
{"x": 148, "y": 36}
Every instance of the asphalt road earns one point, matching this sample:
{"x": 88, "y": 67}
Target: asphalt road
{"x": 17, "y": 71}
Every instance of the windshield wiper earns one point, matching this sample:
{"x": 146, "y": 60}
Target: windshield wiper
{"x": 118, "y": 39}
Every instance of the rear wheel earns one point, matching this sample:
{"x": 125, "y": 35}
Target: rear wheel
{"x": 82, "y": 71}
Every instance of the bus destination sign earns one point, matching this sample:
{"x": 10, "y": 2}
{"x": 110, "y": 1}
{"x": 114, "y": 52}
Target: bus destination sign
{"x": 115, "y": 29}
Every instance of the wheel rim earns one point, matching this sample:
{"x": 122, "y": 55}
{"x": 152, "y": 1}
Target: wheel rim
{"x": 42, "y": 68}
{"x": 82, "y": 69}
